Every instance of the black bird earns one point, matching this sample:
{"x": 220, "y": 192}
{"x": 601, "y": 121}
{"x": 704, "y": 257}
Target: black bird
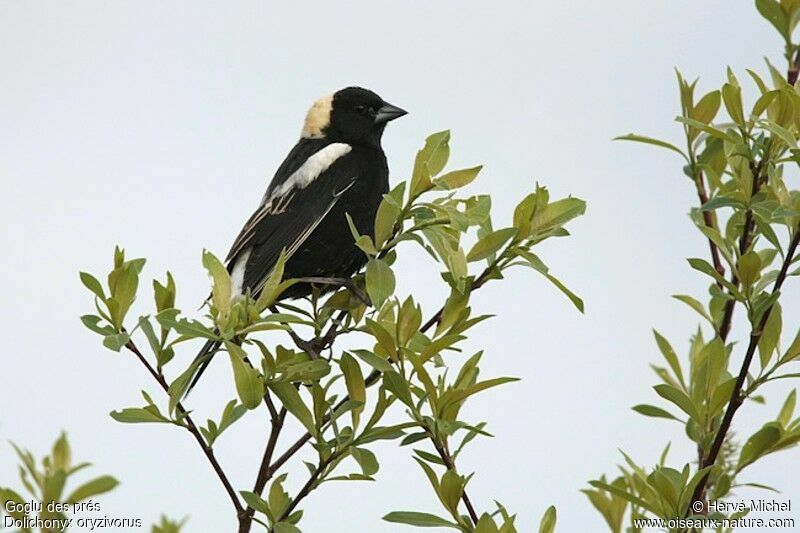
{"x": 337, "y": 167}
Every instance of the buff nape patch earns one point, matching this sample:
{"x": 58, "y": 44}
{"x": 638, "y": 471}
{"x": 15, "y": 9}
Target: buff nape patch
{"x": 318, "y": 118}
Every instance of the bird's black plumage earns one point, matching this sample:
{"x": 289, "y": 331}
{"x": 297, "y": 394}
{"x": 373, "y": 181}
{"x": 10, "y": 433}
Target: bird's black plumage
{"x": 310, "y": 223}
{"x": 338, "y": 167}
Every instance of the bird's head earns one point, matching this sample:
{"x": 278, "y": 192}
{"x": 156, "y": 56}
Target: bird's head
{"x": 352, "y": 115}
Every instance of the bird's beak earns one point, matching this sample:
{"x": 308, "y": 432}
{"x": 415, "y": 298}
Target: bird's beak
{"x": 388, "y": 112}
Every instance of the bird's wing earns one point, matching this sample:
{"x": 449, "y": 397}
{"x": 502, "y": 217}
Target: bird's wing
{"x": 292, "y": 208}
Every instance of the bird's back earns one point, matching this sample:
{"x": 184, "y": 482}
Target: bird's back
{"x": 330, "y": 249}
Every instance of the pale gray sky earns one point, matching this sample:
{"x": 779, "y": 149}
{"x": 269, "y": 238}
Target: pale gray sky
{"x": 156, "y": 125}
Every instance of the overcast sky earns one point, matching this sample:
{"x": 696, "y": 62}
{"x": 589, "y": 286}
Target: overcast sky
{"x": 156, "y": 125}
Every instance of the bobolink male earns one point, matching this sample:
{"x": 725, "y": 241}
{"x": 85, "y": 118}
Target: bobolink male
{"x": 337, "y": 167}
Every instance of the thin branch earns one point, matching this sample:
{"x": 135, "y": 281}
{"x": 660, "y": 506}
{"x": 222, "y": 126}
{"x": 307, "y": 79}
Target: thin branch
{"x": 710, "y": 222}
{"x": 744, "y": 243}
{"x": 736, "y": 397}
{"x": 192, "y": 428}
{"x": 309, "y": 485}
{"x": 273, "y": 413}
{"x": 293, "y": 449}
{"x": 794, "y": 69}
{"x": 451, "y": 465}
{"x": 264, "y": 471}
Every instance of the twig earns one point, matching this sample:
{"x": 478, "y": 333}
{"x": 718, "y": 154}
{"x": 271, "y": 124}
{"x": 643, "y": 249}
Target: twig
{"x": 264, "y": 471}
{"x": 736, "y": 396}
{"x": 744, "y": 244}
{"x": 794, "y": 69}
{"x": 309, "y": 486}
{"x": 192, "y": 428}
{"x": 708, "y": 218}
{"x": 450, "y": 464}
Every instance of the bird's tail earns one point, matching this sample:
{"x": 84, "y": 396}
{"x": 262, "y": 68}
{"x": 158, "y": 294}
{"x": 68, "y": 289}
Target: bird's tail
{"x": 204, "y": 356}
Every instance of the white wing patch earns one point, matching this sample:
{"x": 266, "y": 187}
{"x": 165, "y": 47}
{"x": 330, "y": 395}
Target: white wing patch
{"x": 237, "y": 273}
{"x": 277, "y": 200}
{"x": 309, "y": 171}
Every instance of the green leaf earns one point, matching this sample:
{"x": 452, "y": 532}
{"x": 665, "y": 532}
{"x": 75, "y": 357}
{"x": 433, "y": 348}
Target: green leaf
{"x": 380, "y": 281}
{"x": 457, "y": 264}
{"x": 92, "y": 322}
{"x": 378, "y": 363}
{"x": 679, "y": 398}
{"x": 701, "y": 265}
{"x": 384, "y": 339}
{"x": 136, "y": 415}
{"x": 721, "y": 201}
{"x": 255, "y": 501}
{"x": 273, "y": 287}
{"x": 285, "y": 527}
{"x": 654, "y": 142}
{"x": 366, "y": 460}
{"x": 385, "y": 219}
{"x": 308, "y": 370}
{"x": 456, "y": 396}
{"x": 770, "y": 336}
{"x": 123, "y": 283}
{"x": 490, "y": 244}
{"x": 653, "y": 411}
{"x": 669, "y": 354}
{"x": 164, "y": 295}
{"x": 706, "y": 109}
{"x": 787, "y": 410}
{"x": 793, "y": 351}
{"x": 290, "y": 398}
{"x": 486, "y": 524}
{"x": 92, "y": 488}
{"x": 177, "y": 389}
{"x": 62, "y": 455}
{"x": 168, "y": 526}
{"x": 395, "y": 384}
{"x": 694, "y": 304}
{"x": 574, "y": 298}
{"x": 772, "y": 11}
{"x": 190, "y": 328}
{"x": 356, "y": 388}
{"x": 714, "y": 132}
{"x": 456, "y": 179}
{"x": 116, "y": 341}
{"x": 418, "y": 519}
{"x": 763, "y": 102}
{"x": 749, "y": 268}
{"x": 555, "y": 214}
{"x": 249, "y": 383}
{"x": 451, "y": 487}
{"x": 278, "y": 497}
{"x": 91, "y": 283}
{"x": 548, "y": 523}
{"x": 759, "y": 444}
{"x": 620, "y": 492}
{"x": 430, "y": 160}
{"x": 231, "y": 414}
{"x": 221, "y": 293}
{"x": 732, "y": 96}
{"x": 787, "y": 136}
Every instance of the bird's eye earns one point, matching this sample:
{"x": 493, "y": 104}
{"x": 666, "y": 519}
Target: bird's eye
{"x": 364, "y": 110}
